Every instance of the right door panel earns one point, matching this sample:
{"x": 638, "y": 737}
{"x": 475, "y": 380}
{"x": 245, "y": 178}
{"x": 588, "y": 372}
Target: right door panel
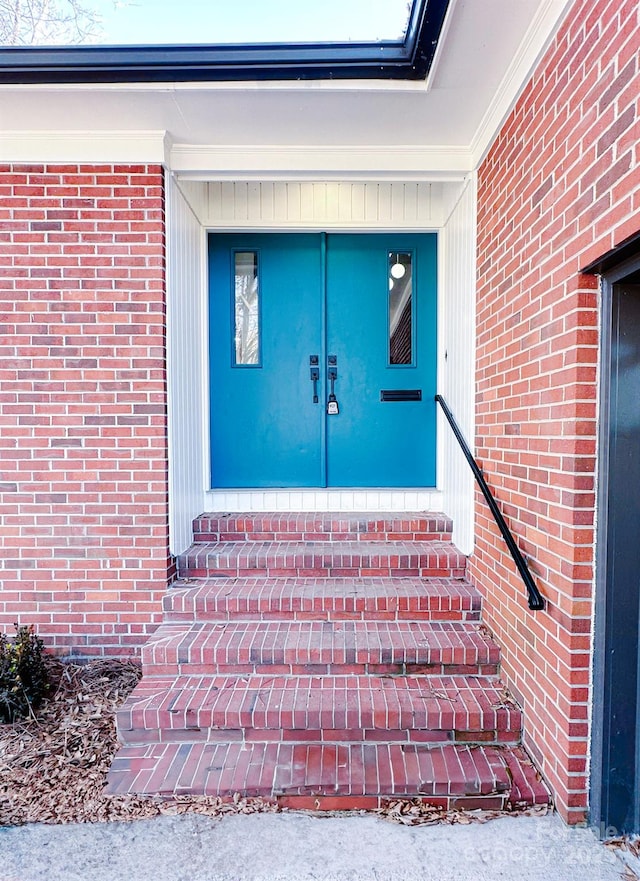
{"x": 379, "y": 349}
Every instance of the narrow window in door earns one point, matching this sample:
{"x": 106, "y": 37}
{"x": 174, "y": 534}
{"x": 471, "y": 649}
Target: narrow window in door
{"x": 246, "y": 309}
{"x": 401, "y": 300}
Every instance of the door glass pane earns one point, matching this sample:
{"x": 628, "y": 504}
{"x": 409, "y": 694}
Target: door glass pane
{"x": 247, "y": 309}
{"x": 400, "y": 308}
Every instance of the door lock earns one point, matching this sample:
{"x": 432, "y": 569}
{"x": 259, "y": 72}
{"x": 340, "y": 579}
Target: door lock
{"x": 332, "y": 374}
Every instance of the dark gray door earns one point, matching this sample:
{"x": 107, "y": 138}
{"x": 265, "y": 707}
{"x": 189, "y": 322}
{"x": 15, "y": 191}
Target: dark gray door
{"x": 620, "y": 767}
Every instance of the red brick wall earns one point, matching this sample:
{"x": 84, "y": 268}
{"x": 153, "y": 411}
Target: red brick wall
{"x": 83, "y": 450}
{"x": 559, "y": 188}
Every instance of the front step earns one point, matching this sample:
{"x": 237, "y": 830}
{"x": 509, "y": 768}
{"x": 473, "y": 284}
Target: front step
{"x": 322, "y": 599}
{"x": 330, "y": 776}
{"x": 320, "y": 647}
{"x": 324, "y": 661}
{"x": 321, "y": 526}
{"x": 323, "y": 708}
{"x": 318, "y": 559}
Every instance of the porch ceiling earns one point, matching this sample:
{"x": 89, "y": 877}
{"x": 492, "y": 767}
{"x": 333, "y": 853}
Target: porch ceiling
{"x": 487, "y": 51}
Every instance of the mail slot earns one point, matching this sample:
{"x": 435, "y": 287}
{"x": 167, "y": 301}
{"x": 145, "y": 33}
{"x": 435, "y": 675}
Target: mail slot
{"x": 401, "y": 394}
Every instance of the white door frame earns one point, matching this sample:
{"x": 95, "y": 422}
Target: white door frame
{"x": 446, "y": 208}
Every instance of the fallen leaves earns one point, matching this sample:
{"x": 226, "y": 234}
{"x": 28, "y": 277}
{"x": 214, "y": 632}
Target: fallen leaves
{"x": 505, "y": 701}
{"x": 416, "y": 812}
{"x": 627, "y": 847}
{"x": 53, "y": 767}
{"x": 625, "y": 842}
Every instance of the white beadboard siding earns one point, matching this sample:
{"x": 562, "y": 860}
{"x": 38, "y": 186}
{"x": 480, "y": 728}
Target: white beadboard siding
{"x": 325, "y": 500}
{"x": 195, "y": 194}
{"x": 456, "y": 377}
{"x": 186, "y": 366}
{"x": 251, "y": 204}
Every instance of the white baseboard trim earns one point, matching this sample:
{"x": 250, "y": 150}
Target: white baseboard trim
{"x": 423, "y": 499}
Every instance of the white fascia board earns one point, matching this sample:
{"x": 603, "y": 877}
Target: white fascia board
{"x": 273, "y": 162}
{"x": 82, "y": 146}
{"x": 440, "y": 53}
{"x": 539, "y": 35}
{"x": 262, "y": 86}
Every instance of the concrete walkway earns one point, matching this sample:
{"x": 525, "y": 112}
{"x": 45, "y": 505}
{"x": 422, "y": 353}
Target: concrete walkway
{"x": 298, "y": 847}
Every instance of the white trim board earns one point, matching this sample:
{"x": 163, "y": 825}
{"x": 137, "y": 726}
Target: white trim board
{"x": 249, "y": 500}
{"x": 285, "y": 162}
{"x": 84, "y": 147}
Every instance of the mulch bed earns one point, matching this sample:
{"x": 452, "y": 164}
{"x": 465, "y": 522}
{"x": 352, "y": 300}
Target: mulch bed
{"x": 53, "y": 766}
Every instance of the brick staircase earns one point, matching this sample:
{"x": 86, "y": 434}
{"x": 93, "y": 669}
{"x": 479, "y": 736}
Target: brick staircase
{"x": 326, "y": 661}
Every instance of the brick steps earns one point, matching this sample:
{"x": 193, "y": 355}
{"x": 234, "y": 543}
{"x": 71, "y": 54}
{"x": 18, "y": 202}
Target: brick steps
{"x": 330, "y": 776}
{"x": 326, "y": 709}
{"x": 330, "y": 599}
{"x": 322, "y": 559}
{"x": 334, "y": 647}
{"x": 324, "y": 661}
{"x": 321, "y": 526}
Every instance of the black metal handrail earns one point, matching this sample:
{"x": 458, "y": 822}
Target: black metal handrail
{"x": 535, "y": 599}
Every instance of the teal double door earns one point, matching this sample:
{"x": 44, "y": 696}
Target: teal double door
{"x": 322, "y": 360}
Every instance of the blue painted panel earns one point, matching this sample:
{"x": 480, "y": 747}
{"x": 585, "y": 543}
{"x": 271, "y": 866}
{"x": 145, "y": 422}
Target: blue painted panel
{"x": 370, "y": 442}
{"x": 265, "y": 429}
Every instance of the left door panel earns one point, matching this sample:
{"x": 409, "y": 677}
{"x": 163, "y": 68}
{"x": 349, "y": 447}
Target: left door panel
{"x": 266, "y": 430}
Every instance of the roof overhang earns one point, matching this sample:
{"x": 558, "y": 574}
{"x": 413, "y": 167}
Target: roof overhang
{"x": 350, "y": 129}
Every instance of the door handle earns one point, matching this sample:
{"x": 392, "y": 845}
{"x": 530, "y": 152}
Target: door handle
{"x": 314, "y": 375}
{"x": 332, "y": 374}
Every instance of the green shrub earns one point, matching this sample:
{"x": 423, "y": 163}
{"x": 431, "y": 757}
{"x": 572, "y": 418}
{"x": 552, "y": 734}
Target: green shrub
{"x": 23, "y": 674}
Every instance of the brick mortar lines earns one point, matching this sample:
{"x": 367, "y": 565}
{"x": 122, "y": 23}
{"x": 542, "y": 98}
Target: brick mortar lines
{"x": 112, "y": 244}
